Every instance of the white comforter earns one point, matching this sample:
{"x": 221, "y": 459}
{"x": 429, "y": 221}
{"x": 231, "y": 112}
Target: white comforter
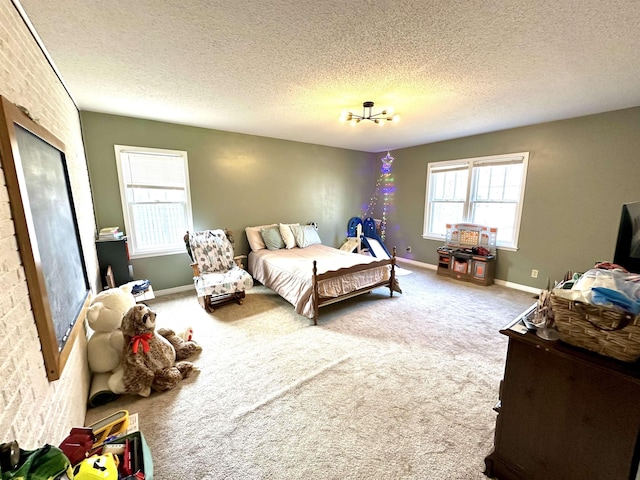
{"x": 289, "y": 273}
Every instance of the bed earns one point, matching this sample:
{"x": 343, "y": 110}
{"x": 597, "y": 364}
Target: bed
{"x": 310, "y": 275}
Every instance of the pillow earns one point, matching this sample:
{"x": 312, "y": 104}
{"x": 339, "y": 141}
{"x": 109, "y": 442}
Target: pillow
{"x": 305, "y": 235}
{"x": 254, "y": 237}
{"x": 287, "y": 234}
{"x": 272, "y": 238}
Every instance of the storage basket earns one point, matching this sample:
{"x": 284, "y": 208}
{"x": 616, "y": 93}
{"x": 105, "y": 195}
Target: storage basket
{"x": 604, "y": 330}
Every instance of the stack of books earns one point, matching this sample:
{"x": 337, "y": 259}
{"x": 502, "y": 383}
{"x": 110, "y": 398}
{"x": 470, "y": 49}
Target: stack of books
{"x": 110, "y": 233}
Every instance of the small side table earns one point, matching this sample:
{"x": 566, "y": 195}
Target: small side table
{"x": 145, "y": 295}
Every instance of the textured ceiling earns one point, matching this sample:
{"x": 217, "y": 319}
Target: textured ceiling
{"x": 287, "y": 69}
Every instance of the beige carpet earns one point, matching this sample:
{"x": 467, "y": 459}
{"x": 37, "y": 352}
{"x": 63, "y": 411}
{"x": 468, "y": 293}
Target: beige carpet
{"x": 382, "y": 388}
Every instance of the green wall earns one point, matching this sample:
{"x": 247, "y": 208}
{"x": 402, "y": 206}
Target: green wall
{"x": 236, "y": 181}
{"x": 580, "y": 173}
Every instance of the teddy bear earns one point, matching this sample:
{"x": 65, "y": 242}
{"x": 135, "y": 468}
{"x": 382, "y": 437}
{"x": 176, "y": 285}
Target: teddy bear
{"x": 149, "y": 360}
{"x": 104, "y": 316}
{"x": 184, "y": 347}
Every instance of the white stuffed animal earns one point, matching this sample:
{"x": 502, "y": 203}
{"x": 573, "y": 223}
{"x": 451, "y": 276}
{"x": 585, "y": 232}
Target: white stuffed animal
{"x": 104, "y": 348}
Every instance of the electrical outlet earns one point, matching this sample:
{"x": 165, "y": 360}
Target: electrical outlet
{"x": 534, "y": 273}
{"x": 409, "y": 249}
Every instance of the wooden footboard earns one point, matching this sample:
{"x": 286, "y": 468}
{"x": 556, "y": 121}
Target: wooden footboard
{"x": 319, "y": 301}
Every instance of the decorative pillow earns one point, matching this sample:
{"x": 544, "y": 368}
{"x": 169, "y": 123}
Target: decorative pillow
{"x": 272, "y": 238}
{"x": 305, "y": 235}
{"x": 287, "y": 234}
{"x": 254, "y": 237}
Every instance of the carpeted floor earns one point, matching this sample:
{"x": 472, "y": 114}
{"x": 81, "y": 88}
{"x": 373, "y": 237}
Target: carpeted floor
{"x": 382, "y": 388}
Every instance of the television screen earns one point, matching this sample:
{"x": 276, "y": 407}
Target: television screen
{"x": 627, "y": 253}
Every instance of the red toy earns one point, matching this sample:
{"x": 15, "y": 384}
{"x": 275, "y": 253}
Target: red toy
{"x": 78, "y": 444}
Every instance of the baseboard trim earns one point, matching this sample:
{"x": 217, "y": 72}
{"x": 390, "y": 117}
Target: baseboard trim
{"x": 503, "y": 283}
{"x": 169, "y": 291}
{"x": 517, "y": 286}
{"x": 416, "y": 263}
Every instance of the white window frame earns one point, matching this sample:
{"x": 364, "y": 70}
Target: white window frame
{"x": 135, "y": 249}
{"x": 470, "y": 164}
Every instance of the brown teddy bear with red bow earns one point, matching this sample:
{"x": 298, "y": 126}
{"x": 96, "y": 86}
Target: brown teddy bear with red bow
{"x": 150, "y": 361}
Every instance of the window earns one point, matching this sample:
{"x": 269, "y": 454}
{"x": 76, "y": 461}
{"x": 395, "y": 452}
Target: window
{"x": 154, "y": 189}
{"x": 485, "y": 190}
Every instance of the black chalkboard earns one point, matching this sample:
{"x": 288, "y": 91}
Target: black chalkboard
{"x": 41, "y": 199}
{"x": 62, "y": 264}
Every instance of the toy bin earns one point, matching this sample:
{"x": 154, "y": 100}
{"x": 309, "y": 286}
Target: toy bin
{"x": 608, "y": 331}
{"x": 140, "y": 454}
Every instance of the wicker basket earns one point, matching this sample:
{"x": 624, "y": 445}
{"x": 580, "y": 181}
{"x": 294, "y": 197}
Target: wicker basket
{"x": 603, "y": 330}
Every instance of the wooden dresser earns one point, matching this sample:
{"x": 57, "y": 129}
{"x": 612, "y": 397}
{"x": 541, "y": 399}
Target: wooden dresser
{"x": 565, "y": 413}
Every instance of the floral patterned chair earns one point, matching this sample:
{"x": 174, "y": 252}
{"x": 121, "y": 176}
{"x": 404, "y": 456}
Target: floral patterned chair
{"x": 217, "y": 274}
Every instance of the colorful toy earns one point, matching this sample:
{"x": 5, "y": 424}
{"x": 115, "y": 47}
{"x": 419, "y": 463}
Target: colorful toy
{"x": 44, "y": 463}
{"x": 97, "y": 467}
{"x": 107, "y": 427}
{"x": 78, "y": 444}
{"x": 149, "y": 360}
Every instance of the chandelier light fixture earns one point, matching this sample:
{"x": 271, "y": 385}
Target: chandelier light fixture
{"x": 367, "y": 114}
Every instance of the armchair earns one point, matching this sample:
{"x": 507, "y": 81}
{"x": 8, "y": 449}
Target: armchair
{"x": 217, "y": 274}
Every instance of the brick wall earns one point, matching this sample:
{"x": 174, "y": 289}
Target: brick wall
{"x": 33, "y": 410}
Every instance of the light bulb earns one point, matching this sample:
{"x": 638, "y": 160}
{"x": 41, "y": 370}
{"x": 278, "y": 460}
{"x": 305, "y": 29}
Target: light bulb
{"x": 396, "y": 118}
{"x": 381, "y": 121}
{"x": 389, "y": 111}
{"x": 346, "y": 116}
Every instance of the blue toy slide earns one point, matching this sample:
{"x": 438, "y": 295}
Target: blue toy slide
{"x": 372, "y": 240}
{"x": 352, "y": 227}
{"x": 369, "y": 239}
